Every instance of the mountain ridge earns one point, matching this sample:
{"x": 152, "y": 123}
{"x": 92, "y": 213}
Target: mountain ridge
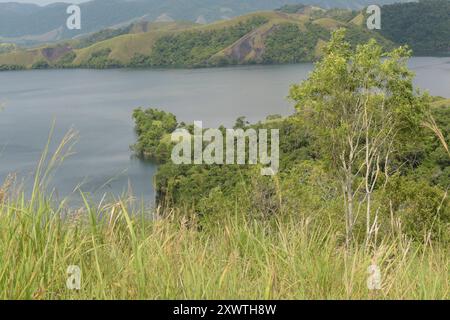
{"x": 262, "y": 37}
{"x": 27, "y": 24}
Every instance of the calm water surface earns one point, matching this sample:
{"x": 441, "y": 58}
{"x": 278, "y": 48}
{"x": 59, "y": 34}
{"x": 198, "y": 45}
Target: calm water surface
{"x": 98, "y": 104}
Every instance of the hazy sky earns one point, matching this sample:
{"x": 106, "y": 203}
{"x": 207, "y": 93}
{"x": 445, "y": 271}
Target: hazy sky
{"x": 44, "y": 2}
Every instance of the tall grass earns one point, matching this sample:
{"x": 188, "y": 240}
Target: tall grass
{"x": 137, "y": 254}
{"x": 124, "y": 255}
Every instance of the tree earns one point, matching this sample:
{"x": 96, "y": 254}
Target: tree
{"x": 153, "y": 129}
{"x": 241, "y": 123}
{"x": 41, "y": 64}
{"x": 360, "y": 104}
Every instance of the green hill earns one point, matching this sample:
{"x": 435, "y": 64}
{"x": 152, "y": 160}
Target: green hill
{"x": 30, "y": 24}
{"x": 264, "y": 37}
{"x": 423, "y": 25}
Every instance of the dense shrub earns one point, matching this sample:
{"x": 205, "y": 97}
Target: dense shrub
{"x": 11, "y": 67}
{"x": 41, "y": 64}
{"x": 100, "y": 60}
{"x": 66, "y": 60}
{"x": 422, "y": 209}
{"x": 152, "y": 129}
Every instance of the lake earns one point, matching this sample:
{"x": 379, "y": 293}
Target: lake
{"x": 98, "y": 104}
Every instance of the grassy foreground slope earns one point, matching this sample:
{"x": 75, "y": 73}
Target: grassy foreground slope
{"x": 264, "y": 37}
{"x": 126, "y": 255}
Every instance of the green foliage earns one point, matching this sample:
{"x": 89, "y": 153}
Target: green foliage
{"x": 100, "y": 36}
{"x": 66, "y": 60}
{"x": 356, "y": 35}
{"x": 136, "y": 254}
{"x": 7, "y": 47}
{"x": 41, "y": 64}
{"x": 152, "y": 129}
{"x": 429, "y": 160}
{"x": 341, "y": 14}
{"x": 332, "y": 96}
{"x": 273, "y": 117}
{"x": 100, "y": 60}
{"x": 139, "y": 60}
{"x": 288, "y": 44}
{"x": 305, "y": 184}
{"x": 11, "y": 67}
{"x": 423, "y": 210}
{"x": 291, "y": 8}
{"x": 423, "y": 25}
{"x": 195, "y": 48}
{"x": 187, "y": 185}
{"x": 361, "y": 107}
{"x": 241, "y": 123}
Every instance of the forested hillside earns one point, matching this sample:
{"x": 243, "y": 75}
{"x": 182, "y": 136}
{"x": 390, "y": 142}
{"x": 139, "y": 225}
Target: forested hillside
{"x": 266, "y": 37}
{"x": 424, "y": 26}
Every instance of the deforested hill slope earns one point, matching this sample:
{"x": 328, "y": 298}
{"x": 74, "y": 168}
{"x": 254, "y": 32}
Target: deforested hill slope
{"x": 263, "y": 37}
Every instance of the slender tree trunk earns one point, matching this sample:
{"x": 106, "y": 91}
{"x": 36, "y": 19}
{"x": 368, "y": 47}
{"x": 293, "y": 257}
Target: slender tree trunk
{"x": 349, "y": 209}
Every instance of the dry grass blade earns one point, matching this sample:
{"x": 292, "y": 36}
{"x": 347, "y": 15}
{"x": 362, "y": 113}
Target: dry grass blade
{"x": 432, "y": 125}
{"x": 6, "y": 187}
